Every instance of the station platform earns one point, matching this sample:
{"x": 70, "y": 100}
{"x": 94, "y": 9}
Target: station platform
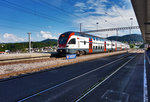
{"x": 147, "y": 65}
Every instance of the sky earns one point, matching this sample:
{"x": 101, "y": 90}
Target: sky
{"x": 49, "y": 18}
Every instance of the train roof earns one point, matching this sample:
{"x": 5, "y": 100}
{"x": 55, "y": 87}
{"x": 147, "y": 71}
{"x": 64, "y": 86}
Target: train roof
{"x": 82, "y": 33}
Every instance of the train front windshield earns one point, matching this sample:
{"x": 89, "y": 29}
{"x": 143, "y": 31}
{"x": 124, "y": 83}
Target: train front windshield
{"x": 63, "y": 38}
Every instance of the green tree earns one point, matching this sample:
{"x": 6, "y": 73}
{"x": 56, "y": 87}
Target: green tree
{"x": 132, "y": 45}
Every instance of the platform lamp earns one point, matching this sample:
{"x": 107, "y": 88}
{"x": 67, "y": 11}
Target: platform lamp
{"x": 131, "y": 19}
{"x": 80, "y": 27}
{"x": 29, "y": 37}
{"x": 97, "y": 25}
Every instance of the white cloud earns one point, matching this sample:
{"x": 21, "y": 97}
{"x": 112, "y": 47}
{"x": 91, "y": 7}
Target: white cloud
{"x": 97, "y": 5}
{"x": 6, "y": 37}
{"x": 112, "y": 17}
{"x": 79, "y": 4}
{"x": 47, "y": 35}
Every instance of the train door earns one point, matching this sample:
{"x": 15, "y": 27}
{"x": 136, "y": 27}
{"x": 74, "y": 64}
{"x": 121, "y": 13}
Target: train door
{"x": 111, "y": 46}
{"x": 105, "y": 46}
{"x": 78, "y": 42}
{"x": 115, "y": 46}
{"x": 90, "y": 45}
{"x": 121, "y": 46}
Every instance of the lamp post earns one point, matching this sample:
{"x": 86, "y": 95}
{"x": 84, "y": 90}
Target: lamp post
{"x": 131, "y": 19}
{"x": 117, "y": 35}
{"x": 29, "y": 37}
{"x": 97, "y": 25}
{"x": 80, "y": 26}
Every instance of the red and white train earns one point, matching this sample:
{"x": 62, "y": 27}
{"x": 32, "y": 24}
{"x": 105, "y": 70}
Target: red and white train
{"x": 81, "y": 43}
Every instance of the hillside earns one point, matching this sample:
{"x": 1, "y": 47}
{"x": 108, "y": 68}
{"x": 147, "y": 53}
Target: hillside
{"x": 127, "y": 38}
{"x": 13, "y": 47}
{"x": 49, "y": 40}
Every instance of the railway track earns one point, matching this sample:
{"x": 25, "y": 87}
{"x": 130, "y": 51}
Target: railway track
{"x": 15, "y": 68}
{"x": 28, "y": 61}
{"x": 33, "y": 60}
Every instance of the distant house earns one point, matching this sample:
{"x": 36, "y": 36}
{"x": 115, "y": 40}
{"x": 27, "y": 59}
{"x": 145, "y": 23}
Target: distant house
{"x": 7, "y": 51}
{"x": 2, "y": 52}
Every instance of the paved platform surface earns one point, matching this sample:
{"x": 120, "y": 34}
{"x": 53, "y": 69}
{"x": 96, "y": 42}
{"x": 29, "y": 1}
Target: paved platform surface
{"x": 147, "y": 60}
{"x": 125, "y": 86}
{"x": 68, "y": 83}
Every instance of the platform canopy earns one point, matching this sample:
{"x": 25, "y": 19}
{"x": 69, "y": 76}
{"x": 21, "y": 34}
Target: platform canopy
{"x": 142, "y": 11}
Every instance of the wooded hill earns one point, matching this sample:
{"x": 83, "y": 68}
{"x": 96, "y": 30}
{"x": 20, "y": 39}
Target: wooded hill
{"x": 13, "y": 47}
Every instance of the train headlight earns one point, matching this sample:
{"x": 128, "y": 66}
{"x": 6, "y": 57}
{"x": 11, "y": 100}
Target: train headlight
{"x": 60, "y": 50}
{"x": 67, "y": 50}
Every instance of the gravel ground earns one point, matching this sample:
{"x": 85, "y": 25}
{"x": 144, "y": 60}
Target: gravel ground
{"x": 18, "y": 67}
{"x": 23, "y": 55}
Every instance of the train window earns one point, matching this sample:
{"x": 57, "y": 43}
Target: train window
{"x": 86, "y": 36}
{"x": 72, "y": 41}
{"x": 93, "y": 38}
{"x": 82, "y": 35}
{"x": 63, "y": 38}
{"x": 97, "y": 39}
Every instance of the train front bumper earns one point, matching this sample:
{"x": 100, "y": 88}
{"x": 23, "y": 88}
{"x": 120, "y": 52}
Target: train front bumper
{"x": 63, "y": 51}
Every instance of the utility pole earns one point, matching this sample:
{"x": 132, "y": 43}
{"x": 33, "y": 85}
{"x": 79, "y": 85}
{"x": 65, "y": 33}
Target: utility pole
{"x": 80, "y": 26}
{"x": 29, "y": 36}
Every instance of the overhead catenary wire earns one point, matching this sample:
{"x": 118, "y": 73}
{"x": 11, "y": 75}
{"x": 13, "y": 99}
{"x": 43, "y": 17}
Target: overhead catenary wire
{"x": 67, "y": 13}
{"x": 117, "y": 31}
{"x": 63, "y": 11}
{"x": 119, "y": 12}
{"x": 39, "y": 14}
{"x": 100, "y": 17}
{"x": 125, "y": 20}
{"x": 60, "y": 9}
{"x": 45, "y": 2}
{"x": 17, "y": 28}
{"x": 33, "y": 25}
{"x": 31, "y": 11}
{"x": 47, "y": 6}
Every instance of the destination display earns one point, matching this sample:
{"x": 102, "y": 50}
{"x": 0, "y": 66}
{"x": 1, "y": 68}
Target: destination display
{"x": 70, "y": 56}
